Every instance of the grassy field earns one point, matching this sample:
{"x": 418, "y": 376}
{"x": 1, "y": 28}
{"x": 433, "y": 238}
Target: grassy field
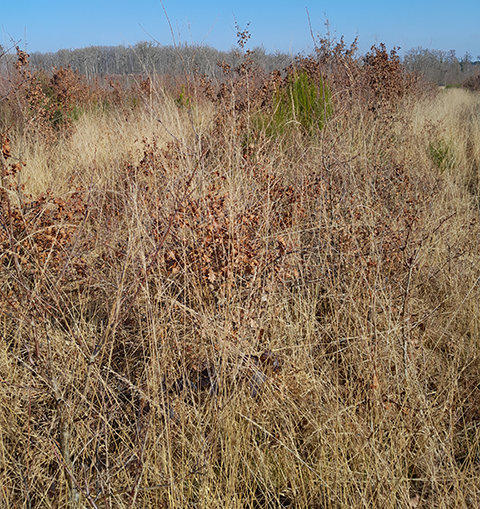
{"x": 259, "y": 293}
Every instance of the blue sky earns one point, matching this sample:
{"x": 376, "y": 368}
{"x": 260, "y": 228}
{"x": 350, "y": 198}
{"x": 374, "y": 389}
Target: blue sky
{"x": 50, "y": 25}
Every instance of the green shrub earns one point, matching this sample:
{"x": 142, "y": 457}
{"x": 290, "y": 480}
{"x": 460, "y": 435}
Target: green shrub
{"x": 183, "y": 100}
{"x": 300, "y": 103}
{"x": 442, "y": 154}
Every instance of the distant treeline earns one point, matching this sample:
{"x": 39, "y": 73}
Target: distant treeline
{"x": 146, "y": 57}
{"x": 440, "y": 67}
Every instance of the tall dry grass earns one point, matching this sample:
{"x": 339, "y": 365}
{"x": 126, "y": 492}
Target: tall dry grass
{"x": 199, "y": 312}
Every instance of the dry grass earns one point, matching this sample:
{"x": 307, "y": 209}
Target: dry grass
{"x": 202, "y": 314}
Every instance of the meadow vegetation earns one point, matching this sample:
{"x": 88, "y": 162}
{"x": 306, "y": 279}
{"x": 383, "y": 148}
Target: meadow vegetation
{"x": 257, "y": 291}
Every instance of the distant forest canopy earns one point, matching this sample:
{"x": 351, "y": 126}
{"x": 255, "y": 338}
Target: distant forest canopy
{"x": 440, "y": 67}
{"x": 146, "y": 57}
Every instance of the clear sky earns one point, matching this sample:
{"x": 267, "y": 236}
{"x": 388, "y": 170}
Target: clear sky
{"x": 49, "y": 25}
